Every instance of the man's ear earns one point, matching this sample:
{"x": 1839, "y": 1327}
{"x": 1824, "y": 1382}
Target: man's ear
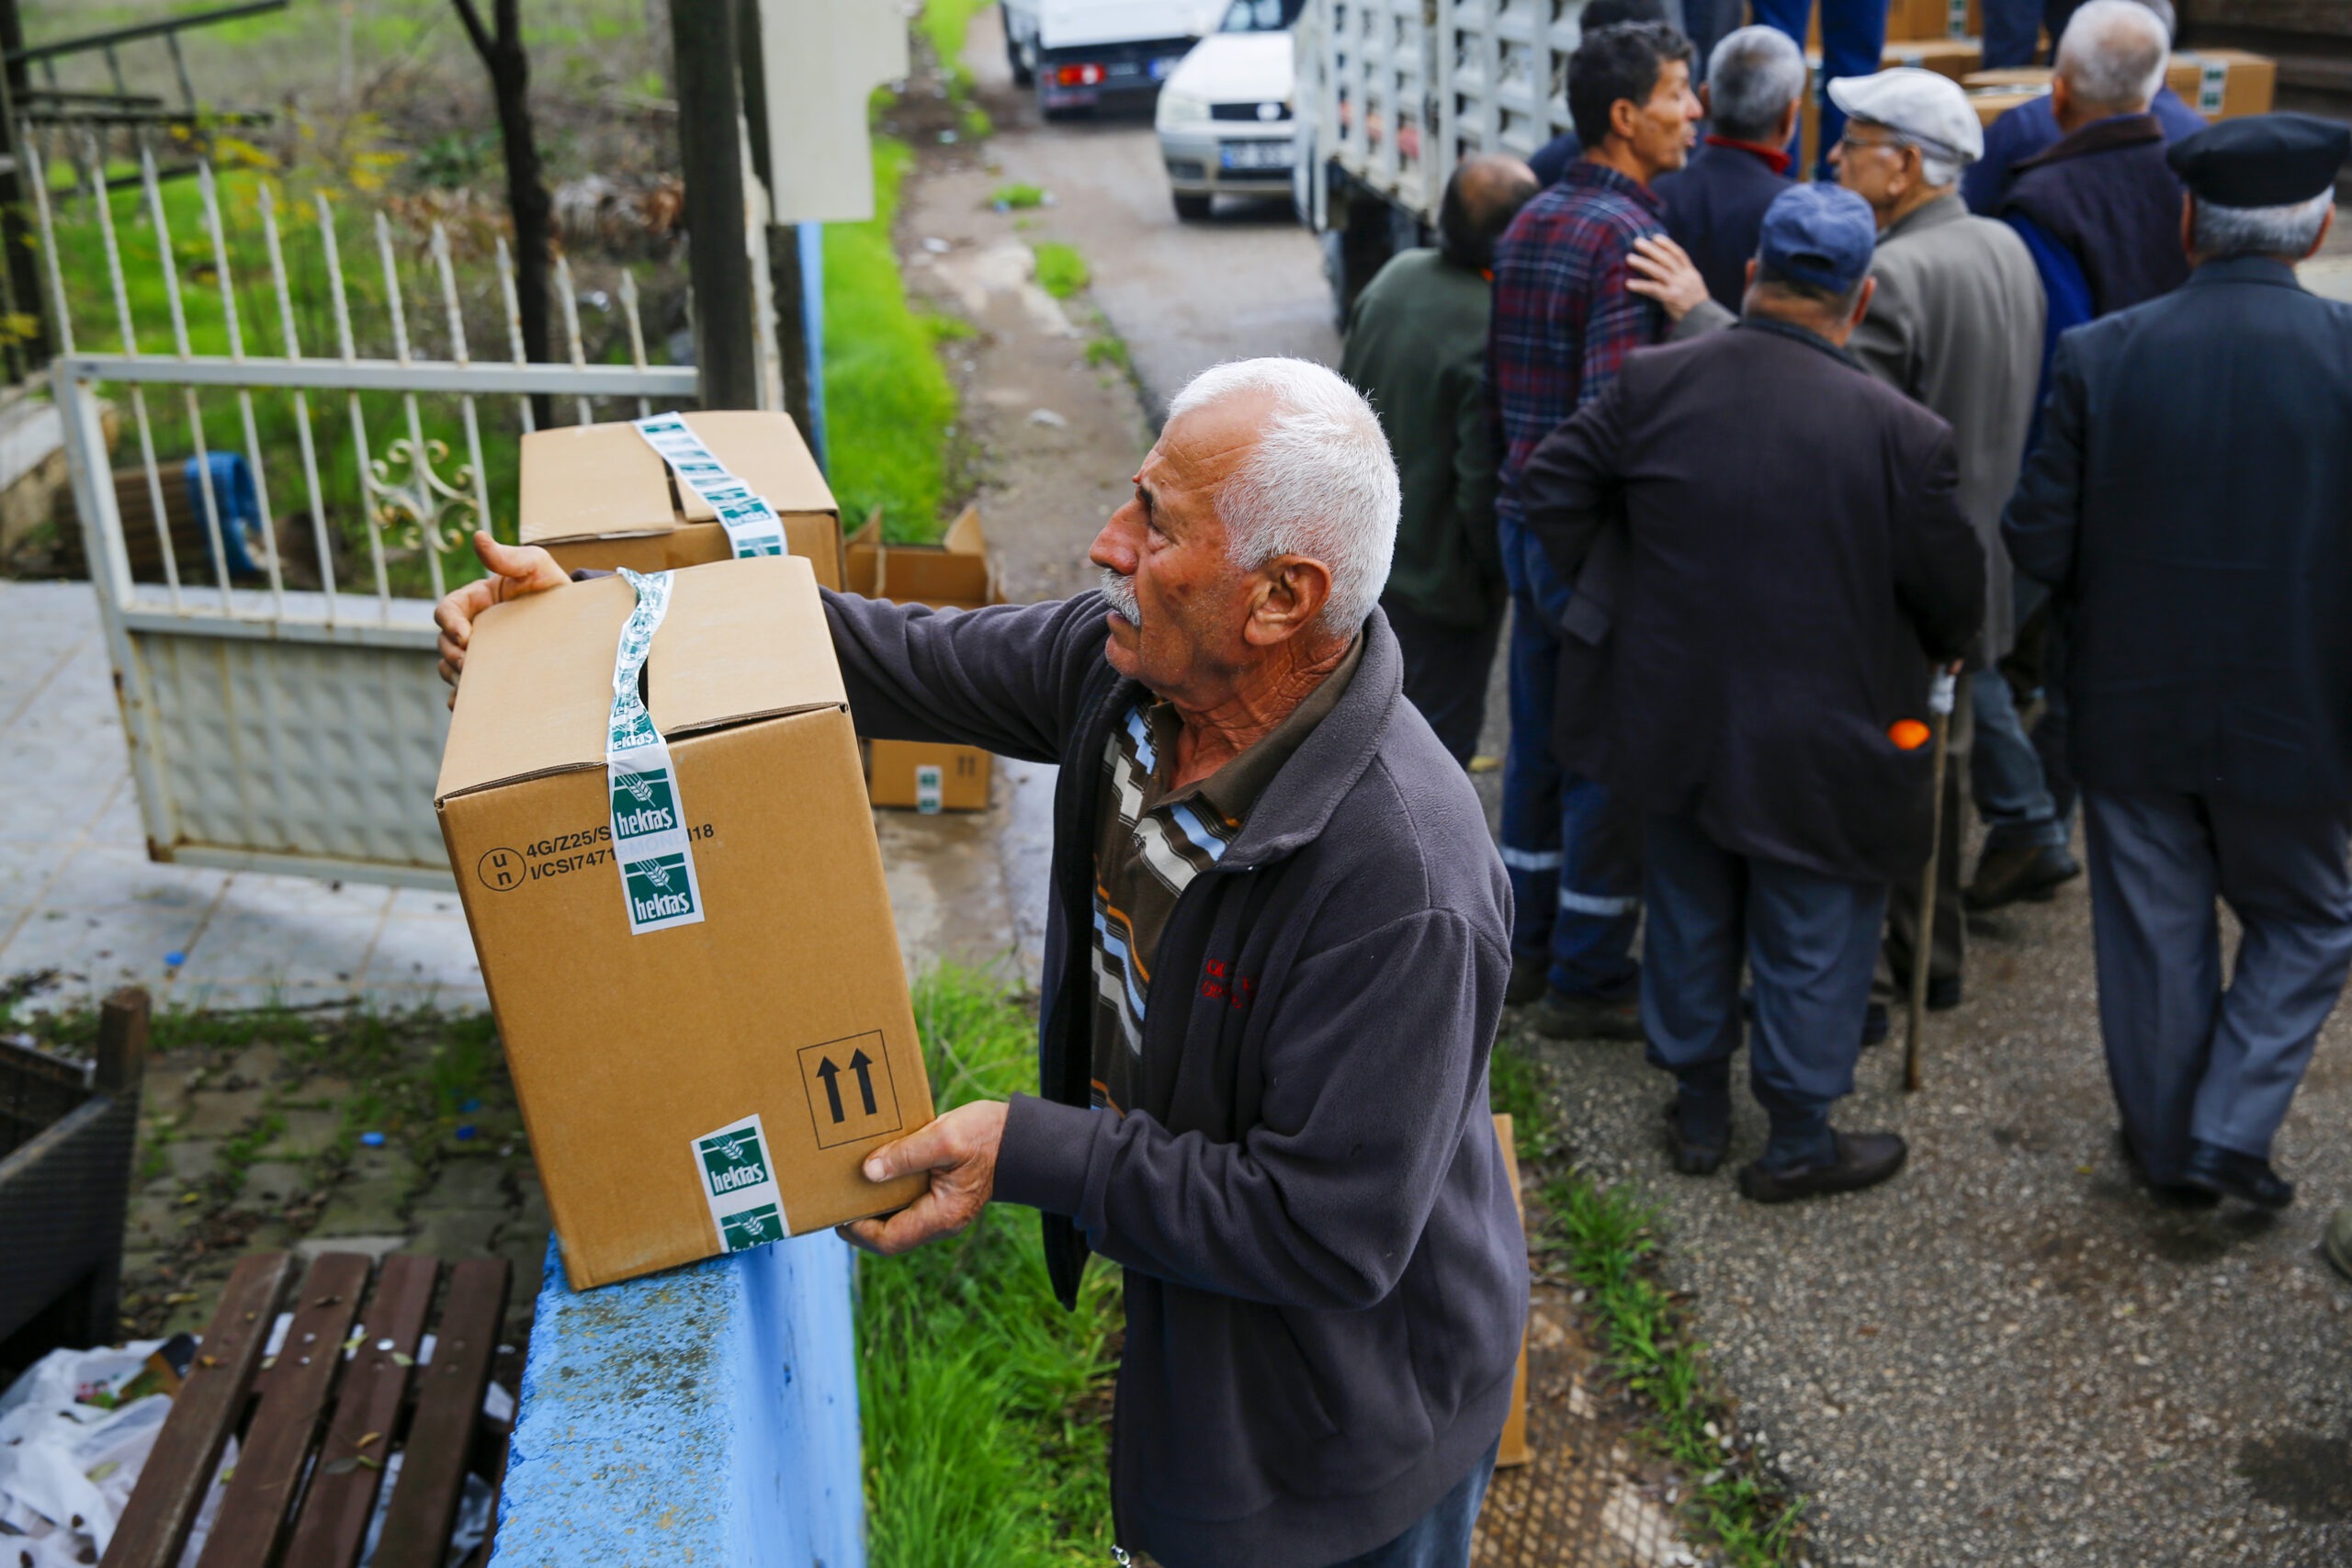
{"x": 2324, "y": 225}
{"x": 1707, "y": 98}
{"x": 2188, "y": 223}
{"x": 1862, "y": 305}
{"x": 1624, "y": 114}
{"x": 1291, "y": 594}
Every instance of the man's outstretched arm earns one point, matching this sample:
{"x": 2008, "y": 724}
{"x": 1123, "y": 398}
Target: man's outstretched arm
{"x": 1005, "y": 678}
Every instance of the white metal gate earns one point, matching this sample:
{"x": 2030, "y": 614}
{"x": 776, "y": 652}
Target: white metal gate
{"x": 271, "y": 727}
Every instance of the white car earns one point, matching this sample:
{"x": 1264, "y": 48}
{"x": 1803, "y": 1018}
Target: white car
{"x": 1225, "y": 116}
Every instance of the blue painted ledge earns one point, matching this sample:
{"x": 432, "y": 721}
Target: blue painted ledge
{"x": 707, "y": 1415}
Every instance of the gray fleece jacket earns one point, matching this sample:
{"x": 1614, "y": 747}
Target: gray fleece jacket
{"x": 1325, "y": 1276}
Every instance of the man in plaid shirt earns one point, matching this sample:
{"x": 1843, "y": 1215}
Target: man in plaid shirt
{"x": 1570, "y": 301}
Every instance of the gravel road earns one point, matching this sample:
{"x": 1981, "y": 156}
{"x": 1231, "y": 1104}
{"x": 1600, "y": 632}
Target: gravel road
{"x": 2008, "y": 1355}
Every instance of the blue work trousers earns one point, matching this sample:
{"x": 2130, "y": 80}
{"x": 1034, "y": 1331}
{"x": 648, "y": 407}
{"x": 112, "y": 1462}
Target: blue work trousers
{"x": 2004, "y": 771}
{"x": 1441, "y": 1538}
{"x": 2012, "y": 32}
{"x": 1573, "y": 851}
{"x": 2192, "y": 1058}
{"x": 1853, "y": 41}
{"x": 1808, "y": 940}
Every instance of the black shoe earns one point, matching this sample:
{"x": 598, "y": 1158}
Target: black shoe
{"x": 1875, "y": 1027}
{"x": 2171, "y": 1195}
{"x": 1862, "y": 1159}
{"x": 1943, "y": 992}
{"x": 2229, "y": 1174}
{"x": 1529, "y": 981}
{"x": 1564, "y": 1017}
{"x": 1691, "y": 1157}
{"x": 2020, "y": 871}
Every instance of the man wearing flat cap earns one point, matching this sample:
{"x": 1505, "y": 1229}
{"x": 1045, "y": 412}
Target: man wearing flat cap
{"x": 2187, "y": 505}
{"x": 1793, "y": 562}
{"x": 1955, "y": 323}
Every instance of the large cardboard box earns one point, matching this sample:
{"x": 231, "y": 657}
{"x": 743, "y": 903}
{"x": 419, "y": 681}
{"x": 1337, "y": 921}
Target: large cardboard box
{"x": 1992, "y": 102}
{"x": 1952, "y": 57}
{"x": 599, "y": 497}
{"x": 955, "y": 574}
{"x": 2221, "y": 83}
{"x": 702, "y": 1086}
{"x": 1935, "y": 18}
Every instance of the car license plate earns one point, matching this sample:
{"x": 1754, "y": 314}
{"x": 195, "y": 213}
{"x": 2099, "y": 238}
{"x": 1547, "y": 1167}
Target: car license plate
{"x": 1258, "y": 154}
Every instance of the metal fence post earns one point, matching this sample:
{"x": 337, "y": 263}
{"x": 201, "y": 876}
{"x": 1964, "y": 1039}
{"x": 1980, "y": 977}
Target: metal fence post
{"x": 705, "y": 40}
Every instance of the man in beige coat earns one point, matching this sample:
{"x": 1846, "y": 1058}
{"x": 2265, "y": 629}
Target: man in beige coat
{"x": 1957, "y": 325}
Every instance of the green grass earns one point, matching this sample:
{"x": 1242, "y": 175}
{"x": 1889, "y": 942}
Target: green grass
{"x": 1107, "y": 348}
{"x": 96, "y": 326}
{"x": 887, "y": 401}
{"x": 1018, "y": 196}
{"x": 1061, "y": 271}
{"x": 944, "y": 25}
{"x": 983, "y": 1400}
{"x": 1608, "y": 1243}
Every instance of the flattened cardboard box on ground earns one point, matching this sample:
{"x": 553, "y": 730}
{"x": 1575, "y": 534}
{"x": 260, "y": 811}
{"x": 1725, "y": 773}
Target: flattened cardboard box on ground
{"x": 701, "y": 1086}
{"x": 955, "y": 574}
{"x": 599, "y": 497}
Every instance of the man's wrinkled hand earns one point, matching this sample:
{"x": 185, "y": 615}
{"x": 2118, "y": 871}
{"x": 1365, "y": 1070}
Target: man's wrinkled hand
{"x": 1664, "y": 271}
{"x": 959, "y": 1150}
{"x": 514, "y": 570}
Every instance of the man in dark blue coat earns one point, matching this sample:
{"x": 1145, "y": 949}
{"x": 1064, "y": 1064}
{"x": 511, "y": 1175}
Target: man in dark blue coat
{"x": 2032, "y": 126}
{"x": 1768, "y": 553}
{"x": 2189, "y": 506}
{"x": 1715, "y": 205}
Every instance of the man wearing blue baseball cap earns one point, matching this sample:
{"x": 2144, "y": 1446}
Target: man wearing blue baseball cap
{"x": 1771, "y": 559}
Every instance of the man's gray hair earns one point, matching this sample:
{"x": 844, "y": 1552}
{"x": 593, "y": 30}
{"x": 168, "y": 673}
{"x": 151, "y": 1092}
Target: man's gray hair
{"x": 2113, "y": 55}
{"x": 1753, "y": 76}
{"x": 1320, "y": 483}
{"x": 2289, "y": 231}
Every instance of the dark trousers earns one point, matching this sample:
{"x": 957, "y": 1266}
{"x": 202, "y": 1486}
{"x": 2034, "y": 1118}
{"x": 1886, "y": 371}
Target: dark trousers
{"x": 1573, "y": 850}
{"x": 1446, "y": 666}
{"x": 1853, "y": 42}
{"x": 2012, "y": 32}
{"x": 2190, "y": 1058}
{"x": 1441, "y": 1538}
{"x": 1808, "y": 940}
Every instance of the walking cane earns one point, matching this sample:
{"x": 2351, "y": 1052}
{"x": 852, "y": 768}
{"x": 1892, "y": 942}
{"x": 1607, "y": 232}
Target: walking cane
{"x": 1940, "y": 700}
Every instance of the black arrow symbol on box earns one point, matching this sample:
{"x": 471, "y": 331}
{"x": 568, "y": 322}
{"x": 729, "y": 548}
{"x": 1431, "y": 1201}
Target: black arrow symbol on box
{"x": 863, "y": 1065}
{"x": 831, "y": 1075}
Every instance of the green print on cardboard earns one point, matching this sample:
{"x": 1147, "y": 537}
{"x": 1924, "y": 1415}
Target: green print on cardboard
{"x": 733, "y": 1161}
{"x": 658, "y": 889}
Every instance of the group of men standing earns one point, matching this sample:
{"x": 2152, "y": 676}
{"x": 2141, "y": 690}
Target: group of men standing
{"x": 1748, "y": 462}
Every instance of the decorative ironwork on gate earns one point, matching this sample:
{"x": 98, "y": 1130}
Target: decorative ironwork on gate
{"x": 284, "y": 713}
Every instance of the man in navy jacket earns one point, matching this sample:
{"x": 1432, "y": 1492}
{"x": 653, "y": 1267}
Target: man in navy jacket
{"x": 2198, "y": 549}
{"x": 1714, "y": 204}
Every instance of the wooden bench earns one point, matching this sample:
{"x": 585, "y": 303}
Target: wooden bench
{"x": 316, "y": 1428}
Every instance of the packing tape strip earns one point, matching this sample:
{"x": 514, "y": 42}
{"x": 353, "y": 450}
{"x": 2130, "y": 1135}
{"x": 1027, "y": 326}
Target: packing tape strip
{"x": 736, "y": 1166}
{"x": 650, "y": 841}
{"x": 752, "y": 527}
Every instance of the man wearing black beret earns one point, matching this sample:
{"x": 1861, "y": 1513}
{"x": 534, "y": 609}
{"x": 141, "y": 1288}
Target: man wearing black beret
{"x": 2189, "y": 507}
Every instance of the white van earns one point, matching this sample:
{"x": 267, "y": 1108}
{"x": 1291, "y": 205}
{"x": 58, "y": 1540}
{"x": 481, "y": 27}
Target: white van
{"x": 1085, "y": 53}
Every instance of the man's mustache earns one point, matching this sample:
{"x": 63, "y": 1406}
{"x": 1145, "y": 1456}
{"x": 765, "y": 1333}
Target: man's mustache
{"x": 1121, "y": 592}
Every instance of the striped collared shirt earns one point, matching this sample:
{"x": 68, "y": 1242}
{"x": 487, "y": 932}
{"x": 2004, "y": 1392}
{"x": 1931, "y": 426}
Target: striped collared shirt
{"x": 1150, "y": 844}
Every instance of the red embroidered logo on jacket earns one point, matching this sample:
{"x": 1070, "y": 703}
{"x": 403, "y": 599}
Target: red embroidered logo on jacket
{"x": 1236, "y": 991}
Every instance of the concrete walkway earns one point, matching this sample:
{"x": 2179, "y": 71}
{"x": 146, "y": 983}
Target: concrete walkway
{"x": 80, "y": 901}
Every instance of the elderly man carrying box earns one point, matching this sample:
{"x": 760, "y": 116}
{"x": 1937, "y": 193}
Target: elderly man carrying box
{"x": 1275, "y": 958}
